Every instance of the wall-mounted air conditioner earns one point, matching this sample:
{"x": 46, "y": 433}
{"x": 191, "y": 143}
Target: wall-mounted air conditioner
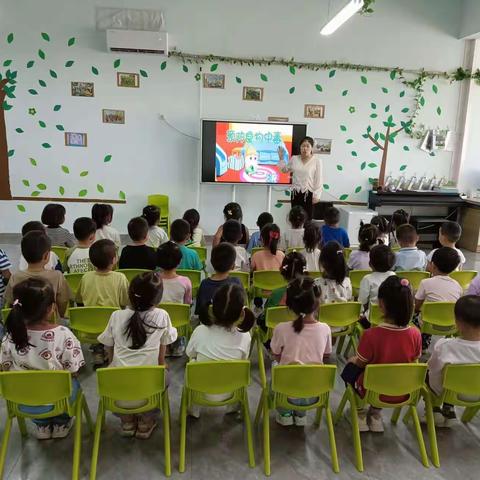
{"x": 137, "y": 41}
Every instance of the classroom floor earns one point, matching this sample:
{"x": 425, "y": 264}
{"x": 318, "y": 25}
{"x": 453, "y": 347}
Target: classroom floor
{"x": 216, "y": 445}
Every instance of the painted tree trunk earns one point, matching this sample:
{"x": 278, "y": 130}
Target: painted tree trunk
{"x": 5, "y": 192}
{"x": 383, "y": 166}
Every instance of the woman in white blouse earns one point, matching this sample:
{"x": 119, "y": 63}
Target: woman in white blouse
{"x": 306, "y": 170}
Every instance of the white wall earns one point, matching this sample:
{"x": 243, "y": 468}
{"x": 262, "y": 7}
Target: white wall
{"x": 149, "y": 157}
{"x": 470, "y": 20}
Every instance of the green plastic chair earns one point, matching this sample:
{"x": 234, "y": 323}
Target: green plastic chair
{"x": 195, "y": 277}
{"x": 216, "y": 378}
{"x": 375, "y": 316}
{"x": 131, "y": 273}
{"x": 344, "y": 316}
{"x": 298, "y": 381}
{"x": 347, "y": 251}
{"x": 413, "y": 276}
{"x": 162, "y": 202}
{"x": 256, "y": 249}
{"x": 73, "y": 280}
{"x": 356, "y": 277}
{"x": 299, "y": 249}
{"x": 314, "y": 273}
{"x": 393, "y": 380}
{"x": 202, "y": 254}
{"x": 87, "y": 323}
{"x": 42, "y": 387}
{"x": 121, "y": 384}
{"x": 464, "y": 277}
{"x": 275, "y": 316}
{"x": 244, "y": 278}
{"x": 5, "y": 311}
{"x": 264, "y": 281}
{"x": 179, "y": 314}
{"x": 438, "y": 318}
{"x": 61, "y": 253}
{"x": 395, "y": 249}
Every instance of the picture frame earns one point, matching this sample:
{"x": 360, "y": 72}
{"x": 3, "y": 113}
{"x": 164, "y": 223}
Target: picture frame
{"x": 314, "y": 111}
{"x": 278, "y": 119}
{"x": 214, "y": 80}
{"x": 253, "y": 94}
{"x": 322, "y": 146}
{"x": 128, "y": 80}
{"x": 75, "y": 139}
{"x": 113, "y": 116}
{"x": 82, "y": 89}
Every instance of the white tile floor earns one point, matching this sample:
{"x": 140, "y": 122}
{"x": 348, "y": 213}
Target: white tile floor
{"x": 216, "y": 444}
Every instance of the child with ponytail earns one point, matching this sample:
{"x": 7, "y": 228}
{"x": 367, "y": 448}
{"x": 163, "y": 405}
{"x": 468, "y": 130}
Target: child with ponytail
{"x": 270, "y": 258}
{"x": 32, "y": 342}
{"x": 367, "y": 238}
{"x": 394, "y": 341}
{"x": 312, "y": 237}
{"x": 304, "y": 341}
{"x": 139, "y": 336}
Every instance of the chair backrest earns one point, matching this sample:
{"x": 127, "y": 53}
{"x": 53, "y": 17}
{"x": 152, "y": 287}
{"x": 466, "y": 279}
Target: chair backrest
{"x": 314, "y": 273}
{"x": 413, "y": 276}
{"x": 464, "y": 277}
{"x": 375, "y": 316}
{"x": 244, "y": 278}
{"x": 276, "y": 315}
{"x": 73, "y": 280}
{"x": 299, "y": 249}
{"x": 303, "y": 381}
{"x": 195, "y": 276}
{"x": 340, "y": 314}
{"x": 356, "y": 277}
{"x": 256, "y": 249}
{"x": 217, "y": 377}
{"x": 179, "y": 313}
{"x": 461, "y": 384}
{"x": 347, "y": 251}
{"x": 5, "y": 312}
{"x": 90, "y": 320}
{"x": 36, "y": 387}
{"x": 394, "y": 379}
{"x": 201, "y": 252}
{"x": 160, "y": 201}
{"x": 268, "y": 280}
{"x": 438, "y": 318}
{"x": 131, "y": 273}
{"x": 131, "y": 383}
{"x": 61, "y": 253}
{"x": 395, "y": 249}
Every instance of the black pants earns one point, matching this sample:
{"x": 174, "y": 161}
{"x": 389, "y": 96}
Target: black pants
{"x": 304, "y": 200}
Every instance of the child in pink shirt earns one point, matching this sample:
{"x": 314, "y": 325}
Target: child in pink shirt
{"x": 270, "y": 258}
{"x": 303, "y": 341}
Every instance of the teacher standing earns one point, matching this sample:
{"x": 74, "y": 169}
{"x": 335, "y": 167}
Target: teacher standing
{"x": 306, "y": 170}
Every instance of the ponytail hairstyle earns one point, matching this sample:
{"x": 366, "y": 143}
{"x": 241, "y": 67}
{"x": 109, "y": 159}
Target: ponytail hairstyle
{"x": 297, "y": 216}
{"x": 102, "y": 214}
{"x": 367, "y": 236}
{"x": 228, "y": 305}
{"x": 270, "y": 235}
{"x": 293, "y": 266}
{"x": 193, "y": 218}
{"x": 332, "y": 262}
{"x": 303, "y": 298}
{"x": 145, "y": 292}
{"x": 34, "y": 302}
{"x": 395, "y": 294}
{"x": 312, "y": 236}
{"x": 381, "y": 223}
{"x": 151, "y": 213}
{"x": 399, "y": 217}
{"x": 233, "y": 211}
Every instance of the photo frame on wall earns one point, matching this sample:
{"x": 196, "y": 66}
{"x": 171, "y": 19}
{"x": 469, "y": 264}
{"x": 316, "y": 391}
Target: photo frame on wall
{"x": 83, "y": 89}
{"x": 128, "y": 80}
{"x": 75, "y": 139}
{"x": 322, "y": 146}
{"x": 254, "y": 94}
{"x": 113, "y": 116}
{"x": 213, "y": 80}
{"x": 314, "y": 111}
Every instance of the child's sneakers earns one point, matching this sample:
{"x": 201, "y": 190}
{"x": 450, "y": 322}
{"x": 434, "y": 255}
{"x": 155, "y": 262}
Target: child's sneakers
{"x": 362, "y": 420}
{"x": 444, "y": 417}
{"x": 61, "y": 431}
{"x": 98, "y": 359}
{"x": 300, "y": 421}
{"x": 43, "y": 432}
{"x": 129, "y": 428}
{"x": 284, "y": 419}
{"x": 375, "y": 422}
{"x": 145, "y": 429}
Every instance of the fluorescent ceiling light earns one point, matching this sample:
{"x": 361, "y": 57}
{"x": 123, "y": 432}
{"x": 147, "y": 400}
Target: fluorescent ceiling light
{"x": 342, "y": 16}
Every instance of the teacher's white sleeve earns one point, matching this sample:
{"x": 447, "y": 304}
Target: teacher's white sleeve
{"x": 317, "y": 179}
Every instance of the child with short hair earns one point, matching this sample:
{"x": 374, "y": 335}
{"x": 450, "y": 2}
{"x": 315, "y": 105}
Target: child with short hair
{"x": 302, "y": 341}
{"x": 78, "y": 259}
{"x": 391, "y": 342}
{"x": 33, "y": 342}
{"x": 399, "y": 217}
{"x": 138, "y": 254}
{"x": 5, "y": 274}
{"x": 409, "y": 257}
{"x": 312, "y": 237}
{"x": 255, "y": 240}
{"x": 53, "y": 216}
{"x": 179, "y": 233}
{"x": 53, "y": 261}
{"x": 367, "y": 238}
{"x": 102, "y": 215}
{"x": 232, "y": 211}
{"x": 293, "y": 237}
{"x": 192, "y": 216}
{"x": 382, "y": 224}
{"x": 156, "y": 235}
{"x": 270, "y": 258}
{"x": 138, "y": 336}
{"x": 335, "y": 285}
{"x": 331, "y": 230}
{"x": 223, "y": 262}
{"x": 232, "y": 233}
{"x": 463, "y": 349}
{"x": 448, "y": 236}
{"x": 35, "y": 247}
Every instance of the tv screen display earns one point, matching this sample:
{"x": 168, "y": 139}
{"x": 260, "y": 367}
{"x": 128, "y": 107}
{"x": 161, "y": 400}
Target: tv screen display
{"x": 247, "y": 152}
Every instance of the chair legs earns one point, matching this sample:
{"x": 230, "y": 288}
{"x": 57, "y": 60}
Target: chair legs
{"x": 166, "y": 433}
{"x": 331, "y": 437}
{"x": 248, "y": 426}
{"x": 341, "y": 408}
{"x": 77, "y": 443}
{"x": 22, "y": 426}
{"x": 432, "y": 435}
{"x": 469, "y": 413}
{"x": 258, "y": 413}
{"x": 263, "y": 406}
{"x": 396, "y": 415}
{"x": 183, "y": 431}
{"x": 418, "y": 431}
{"x": 96, "y": 440}
{"x": 5, "y": 439}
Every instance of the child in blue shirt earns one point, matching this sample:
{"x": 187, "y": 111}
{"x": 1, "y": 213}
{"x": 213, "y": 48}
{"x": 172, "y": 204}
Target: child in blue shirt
{"x": 255, "y": 240}
{"x": 180, "y": 234}
{"x": 331, "y": 230}
{"x": 409, "y": 257}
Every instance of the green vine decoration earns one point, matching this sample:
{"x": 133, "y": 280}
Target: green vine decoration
{"x": 367, "y": 8}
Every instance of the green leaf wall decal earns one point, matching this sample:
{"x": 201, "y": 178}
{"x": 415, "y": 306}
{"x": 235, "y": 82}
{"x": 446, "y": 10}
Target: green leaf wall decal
{"x": 439, "y": 111}
{"x": 292, "y": 69}
{"x": 185, "y": 68}
{"x": 42, "y": 123}
{"x": 339, "y": 168}
{"x": 42, "y": 83}
{"x": 407, "y": 149}
{"x": 56, "y": 108}
{"x": 32, "y": 91}
{"x": 434, "y": 88}
{"x": 343, "y": 128}
{"x": 213, "y": 67}
{"x": 116, "y": 63}
{"x": 343, "y": 197}
{"x": 69, "y": 63}
{"x": 19, "y": 130}
{"x": 26, "y": 182}
{"x": 403, "y": 167}
{"x": 53, "y": 74}
{"x": 60, "y": 127}
{"x": 107, "y": 158}
{"x": 82, "y": 193}
{"x": 344, "y": 93}
{"x": 84, "y": 173}
{"x": 45, "y": 36}
{"x": 33, "y": 162}
{"x": 238, "y": 79}
{"x": 263, "y": 77}
{"x": 121, "y": 195}
{"x": 143, "y": 73}
{"x": 331, "y": 73}
{"x": 10, "y": 37}
{"x": 41, "y": 54}
{"x": 30, "y": 63}
{"x": 61, "y": 190}
{"x": 363, "y": 79}
{"x": 326, "y": 186}
{"x": 291, "y": 90}
{"x": 100, "y": 188}
{"x": 71, "y": 41}
{"x": 21, "y": 208}
{"x": 46, "y": 145}
{"x": 65, "y": 169}
{"x": 41, "y": 186}
{"x": 318, "y": 87}
{"x": 95, "y": 70}
{"x": 358, "y": 189}
{"x": 163, "y": 65}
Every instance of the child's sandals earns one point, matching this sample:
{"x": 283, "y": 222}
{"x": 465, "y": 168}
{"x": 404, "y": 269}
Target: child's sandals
{"x": 144, "y": 430}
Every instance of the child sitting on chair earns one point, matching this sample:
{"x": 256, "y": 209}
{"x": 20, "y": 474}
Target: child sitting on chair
{"x": 102, "y": 215}
{"x": 180, "y": 233}
{"x": 138, "y": 336}
{"x": 138, "y": 254}
{"x": 270, "y": 258}
{"x": 409, "y": 257}
{"x": 77, "y": 258}
{"x": 255, "y": 240}
{"x": 367, "y": 238}
{"x": 448, "y": 236}
{"x": 312, "y": 237}
{"x": 53, "y": 216}
{"x": 156, "y": 235}
{"x": 331, "y": 231}
{"x": 232, "y": 211}
{"x": 293, "y": 237}
{"x": 196, "y": 233}
{"x": 232, "y": 233}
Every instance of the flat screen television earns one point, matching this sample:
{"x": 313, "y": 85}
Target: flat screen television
{"x": 247, "y": 152}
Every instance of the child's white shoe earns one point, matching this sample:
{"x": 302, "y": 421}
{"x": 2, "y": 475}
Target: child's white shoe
{"x": 375, "y": 423}
{"x": 300, "y": 421}
{"x": 61, "y": 431}
{"x": 284, "y": 419}
{"x": 43, "y": 432}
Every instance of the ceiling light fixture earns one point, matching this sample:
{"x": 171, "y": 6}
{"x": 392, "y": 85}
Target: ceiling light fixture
{"x": 342, "y": 16}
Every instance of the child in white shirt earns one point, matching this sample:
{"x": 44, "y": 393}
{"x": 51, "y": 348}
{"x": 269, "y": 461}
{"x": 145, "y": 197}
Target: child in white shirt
{"x": 382, "y": 224}
{"x": 232, "y": 233}
{"x": 196, "y": 233}
{"x": 448, "y": 236}
{"x": 293, "y": 237}
{"x": 78, "y": 259}
{"x": 156, "y": 235}
{"x": 102, "y": 215}
{"x": 463, "y": 349}
{"x": 311, "y": 239}
{"x": 138, "y": 336}
{"x": 367, "y": 237}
